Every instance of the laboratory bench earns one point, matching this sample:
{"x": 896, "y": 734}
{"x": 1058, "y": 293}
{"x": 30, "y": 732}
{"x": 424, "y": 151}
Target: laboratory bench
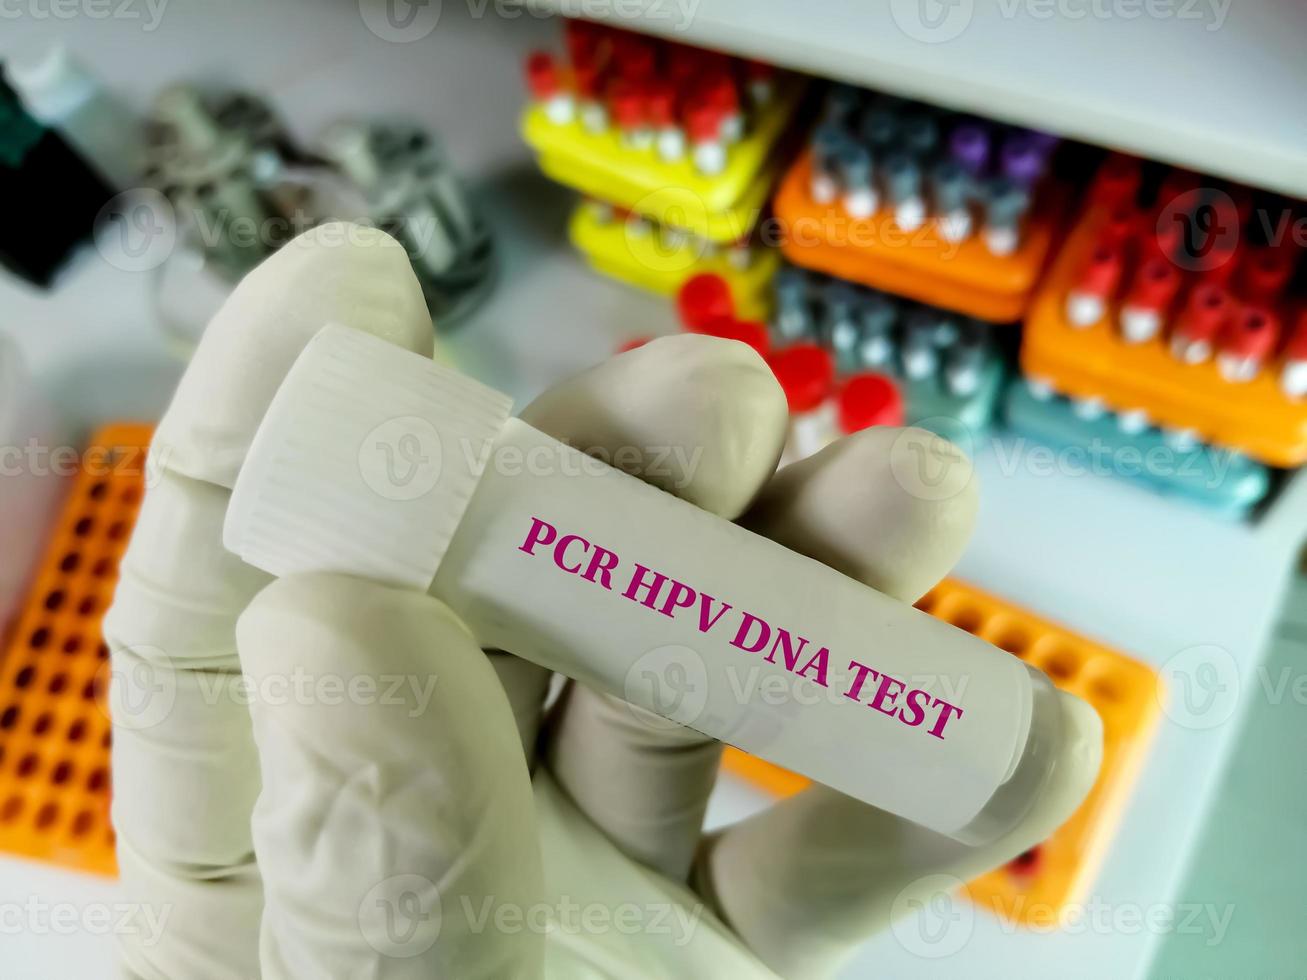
{"x": 1141, "y": 574}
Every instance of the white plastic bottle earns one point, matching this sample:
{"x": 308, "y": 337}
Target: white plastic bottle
{"x": 59, "y": 91}
{"x": 376, "y": 462}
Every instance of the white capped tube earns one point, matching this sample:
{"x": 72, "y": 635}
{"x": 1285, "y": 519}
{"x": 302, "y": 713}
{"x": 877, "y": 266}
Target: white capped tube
{"x": 377, "y": 462}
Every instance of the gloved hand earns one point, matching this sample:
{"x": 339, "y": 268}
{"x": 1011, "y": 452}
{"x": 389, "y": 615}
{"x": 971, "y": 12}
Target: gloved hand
{"x": 324, "y": 777}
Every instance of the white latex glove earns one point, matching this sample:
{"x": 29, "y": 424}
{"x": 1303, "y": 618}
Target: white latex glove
{"x": 337, "y": 826}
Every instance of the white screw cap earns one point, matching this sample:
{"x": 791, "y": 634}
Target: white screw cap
{"x": 364, "y": 463}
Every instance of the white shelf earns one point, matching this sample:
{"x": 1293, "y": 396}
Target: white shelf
{"x": 1216, "y": 91}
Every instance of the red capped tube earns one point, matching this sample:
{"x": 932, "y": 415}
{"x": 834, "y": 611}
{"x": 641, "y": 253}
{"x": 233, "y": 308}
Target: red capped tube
{"x": 1293, "y": 376}
{"x": 806, "y": 373}
{"x": 634, "y": 57}
{"x": 542, "y": 75}
{"x": 545, "y": 80}
{"x": 1099, "y": 280}
{"x": 1201, "y": 323}
{"x": 1117, "y": 182}
{"x": 704, "y": 122}
{"x": 1119, "y": 228}
{"x": 703, "y": 300}
{"x": 1264, "y": 274}
{"x": 1144, "y": 311}
{"x": 749, "y": 332}
{"x": 869, "y": 399}
{"x": 1247, "y": 343}
{"x": 631, "y": 115}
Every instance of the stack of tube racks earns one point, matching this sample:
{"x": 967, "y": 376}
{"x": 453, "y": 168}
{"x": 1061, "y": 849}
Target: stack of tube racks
{"x": 688, "y": 142}
{"x": 1173, "y": 323}
{"x": 954, "y": 211}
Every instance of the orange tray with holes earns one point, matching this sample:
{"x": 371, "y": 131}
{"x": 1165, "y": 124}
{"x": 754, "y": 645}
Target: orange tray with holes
{"x": 54, "y": 722}
{"x": 962, "y": 276}
{"x": 1255, "y": 417}
{"x": 1125, "y": 693}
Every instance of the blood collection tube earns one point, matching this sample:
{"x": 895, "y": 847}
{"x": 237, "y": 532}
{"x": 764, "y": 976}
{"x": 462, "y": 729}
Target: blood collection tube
{"x": 586, "y": 570}
{"x": 1247, "y": 343}
{"x": 637, "y": 225}
{"x": 760, "y": 78}
{"x": 919, "y": 133}
{"x": 707, "y": 147}
{"x": 634, "y": 57}
{"x": 1086, "y": 302}
{"x": 739, "y": 254}
{"x": 840, "y": 329}
{"x": 630, "y": 114}
{"x": 854, "y": 166}
{"x": 868, "y": 399}
{"x": 879, "y": 126}
{"x": 920, "y": 353}
{"x": 950, "y": 199}
{"x": 877, "y": 318}
{"x": 673, "y": 238}
{"x": 828, "y": 143}
{"x": 1223, "y": 258}
{"x": 546, "y": 85}
{"x": 1116, "y": 184}
{"x": 719, "y": 90}
{"x": 1021, "y": 160}
{"x": 1181, "y": 440}
{"x": 1159, "y": 237}
{"x": 1201, "y": 323}
{"x": 1006, "y": 203}
{"x": 704, "y": 299}
{"x": 902, "y": 177}
{"x": 806, "y": 372}
{"x": 1176, "y": 184}
{"x": 969, "y": 145}
{"x": 1133, "y": 421}
{"x": 842, "y": 104}
{"x": 590, "y": 103}
{"x": 964, "y": 361}
{"x": 1293, "y": 375}
{"x": 669, "y": 137}
{"x": 1039, "y": 389}
{"x": 1119, "y": 227}
{"x": 1044, "y": 143}
{"x": 750, "y": 332}
{"x": 1090, "y": 409}
{"x": 1144, "y": 310}
{"x": 582, "y": 39}
{"x": 793, "y": 314}
{"x": 601, "y": 211}
{"x": 1265, "y": 272}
